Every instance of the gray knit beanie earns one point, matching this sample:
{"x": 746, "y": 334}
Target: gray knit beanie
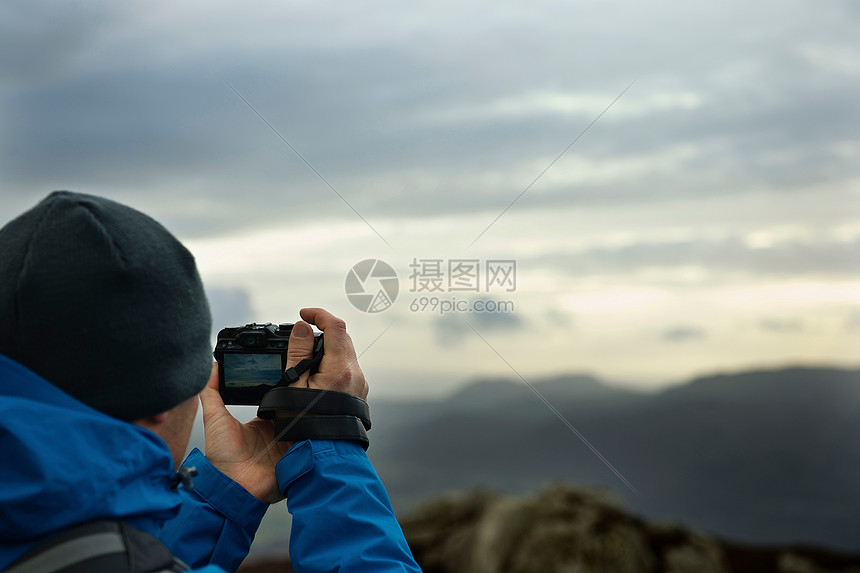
{"x": 105, "y": 303}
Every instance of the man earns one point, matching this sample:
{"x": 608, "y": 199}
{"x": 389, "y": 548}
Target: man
{"x": 104, "y": 352}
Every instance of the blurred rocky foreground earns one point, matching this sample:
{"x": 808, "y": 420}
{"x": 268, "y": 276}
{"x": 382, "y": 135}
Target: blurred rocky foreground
{"x": 566, "y": 529}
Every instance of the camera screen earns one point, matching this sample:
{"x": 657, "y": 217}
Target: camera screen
{"x": 251, "y": 370}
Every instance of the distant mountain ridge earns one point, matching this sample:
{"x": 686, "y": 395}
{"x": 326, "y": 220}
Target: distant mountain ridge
{"x": 765, "y": 456}
{"x": 579, "y": 385}
{"x": 781, "y": 384}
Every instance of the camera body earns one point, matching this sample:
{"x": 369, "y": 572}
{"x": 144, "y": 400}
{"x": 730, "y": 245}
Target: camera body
{"x": 252, "y": 358}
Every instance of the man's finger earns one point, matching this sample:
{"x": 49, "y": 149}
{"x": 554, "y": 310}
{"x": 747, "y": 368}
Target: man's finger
{"x": 337, "y": 342}
{"x": 210, "y": 398}
{"x": 301, "y": 346}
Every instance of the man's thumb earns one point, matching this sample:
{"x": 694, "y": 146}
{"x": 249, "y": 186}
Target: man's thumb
{"x": 210, "y": 398}
{"x": 301, "y": 346}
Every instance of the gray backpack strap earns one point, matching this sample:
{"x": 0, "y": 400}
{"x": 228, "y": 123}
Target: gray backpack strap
{"x": 99, "y": 547}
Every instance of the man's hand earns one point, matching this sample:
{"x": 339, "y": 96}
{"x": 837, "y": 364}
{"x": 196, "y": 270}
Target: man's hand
{"x": 338, "y": 369}
{"x": 247, "y": 453}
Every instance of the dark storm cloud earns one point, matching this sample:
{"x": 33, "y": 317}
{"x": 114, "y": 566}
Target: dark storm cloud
{"x": 116, "y": 125}
{"x": 370, "y": 114}
{"x": 37, "y": 44}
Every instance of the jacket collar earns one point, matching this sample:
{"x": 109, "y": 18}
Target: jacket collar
{"x": 65, "y": 463}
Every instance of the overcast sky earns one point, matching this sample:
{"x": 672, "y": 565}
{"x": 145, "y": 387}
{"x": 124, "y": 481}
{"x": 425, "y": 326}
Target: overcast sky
{"x": 709, "y": 220}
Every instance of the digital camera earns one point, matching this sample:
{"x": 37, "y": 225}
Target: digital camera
{"x": 252, "y": 358}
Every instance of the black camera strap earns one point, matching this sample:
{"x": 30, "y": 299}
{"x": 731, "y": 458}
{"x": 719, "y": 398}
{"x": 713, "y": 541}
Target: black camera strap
{"x": 314, "y": 402}
{"x": 321, "y": 428}
{"x": 312, "y": 414}
{"x": 291, "y": 375}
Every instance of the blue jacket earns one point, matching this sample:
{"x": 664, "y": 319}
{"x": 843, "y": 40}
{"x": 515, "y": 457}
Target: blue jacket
{"x": 64, "y": 463}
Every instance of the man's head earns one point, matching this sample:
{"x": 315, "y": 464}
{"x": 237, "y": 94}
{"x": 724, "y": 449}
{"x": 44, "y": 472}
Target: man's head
{"x": 103, "y": 302}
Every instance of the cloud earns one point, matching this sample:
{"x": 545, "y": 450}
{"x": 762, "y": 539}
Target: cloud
{"x": 852, "y": 323}
{"x": 679, "y": 334}
{"x": 58, "y": 38}
{"x": 230, "y": 307}
{"x": 781, "y": 325}
{"x": 453, "y": 328}
{"x": 108, "y": 101}
{"x": 714, "y": 258}
{"x": 557, "y": 318}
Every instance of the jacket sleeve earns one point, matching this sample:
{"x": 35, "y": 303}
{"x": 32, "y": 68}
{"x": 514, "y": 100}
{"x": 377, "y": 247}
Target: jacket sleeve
{"x": 217, "y": 520}
{"x": 342, "y": 517}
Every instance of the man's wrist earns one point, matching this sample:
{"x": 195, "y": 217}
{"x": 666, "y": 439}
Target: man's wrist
{"x": 224, "y": 494}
